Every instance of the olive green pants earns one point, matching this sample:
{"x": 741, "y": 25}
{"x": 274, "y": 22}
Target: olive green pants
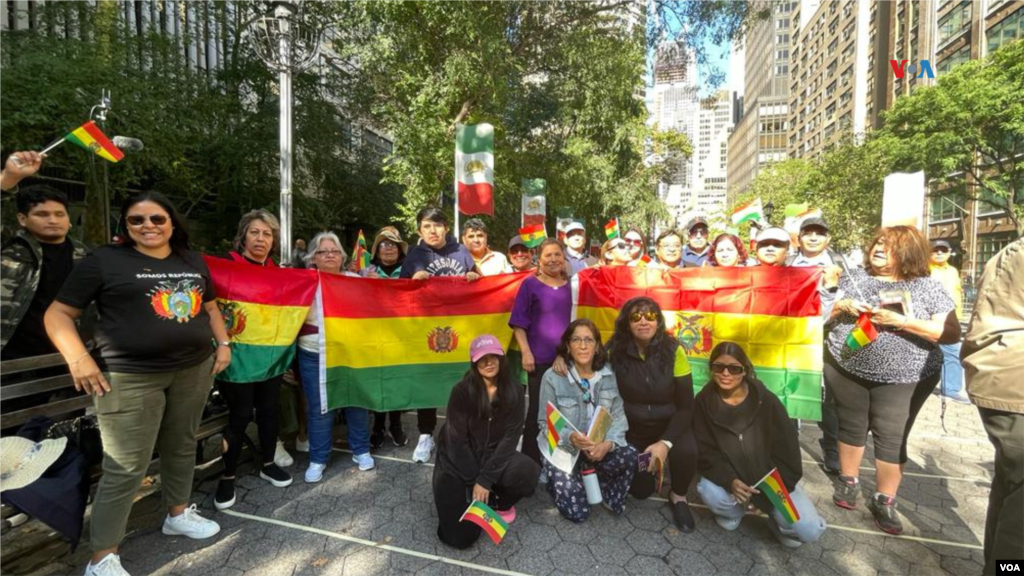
{"x": 142, "y": 412}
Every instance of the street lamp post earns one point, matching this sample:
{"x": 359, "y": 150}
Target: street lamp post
{"x": 769, "y": 209}
{"x": 287, "y": 44}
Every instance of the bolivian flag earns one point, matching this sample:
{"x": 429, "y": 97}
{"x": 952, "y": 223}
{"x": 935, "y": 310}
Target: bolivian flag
{"x": 773, "y": 313}
{"x": 90, "y": 137}
{"x": 263, "y": 310}
{"x": 487, "y": 519}
{"x": 775, "y": 490}
{"x": 400, "y": 344}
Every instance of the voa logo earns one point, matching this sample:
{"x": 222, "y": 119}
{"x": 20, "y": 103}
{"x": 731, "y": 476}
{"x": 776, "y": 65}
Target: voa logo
{"x": 901, "y": 68}
{"x": 1008, "y": 566}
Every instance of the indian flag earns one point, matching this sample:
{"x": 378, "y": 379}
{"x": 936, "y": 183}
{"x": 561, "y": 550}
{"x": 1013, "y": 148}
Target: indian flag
{"x": 773, "y": 313}
{"x": 773, "y": 487}
{"x": 749, "y": 212}
{"x": 483, "y": 516}
{"x": 90, "y": 137}
{"x": 474, "y": 168}
{"x": 263, "y": 310}
{"x": 863, "y": 333}
{"x": 533, "y": 235}
{"x": 401, "y": 344}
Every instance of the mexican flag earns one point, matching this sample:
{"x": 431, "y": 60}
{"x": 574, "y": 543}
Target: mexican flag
{"x": 749, "y": 212}
{"x": 474, "y": 168}
{"x": 534, "y": 201}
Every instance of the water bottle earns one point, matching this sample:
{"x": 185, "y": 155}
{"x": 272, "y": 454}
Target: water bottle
{"x": 592, "y": 487}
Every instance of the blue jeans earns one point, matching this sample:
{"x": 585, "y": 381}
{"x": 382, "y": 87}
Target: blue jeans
{"x": 952, "y": 372}
{"x": 321, "y": 426}
{"x": 808, "y": 528}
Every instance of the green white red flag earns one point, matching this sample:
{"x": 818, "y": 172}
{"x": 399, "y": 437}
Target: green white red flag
{"x": 474, "y": 168}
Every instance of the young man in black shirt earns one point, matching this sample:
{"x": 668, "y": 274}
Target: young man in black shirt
{"x": 33, "y": 267}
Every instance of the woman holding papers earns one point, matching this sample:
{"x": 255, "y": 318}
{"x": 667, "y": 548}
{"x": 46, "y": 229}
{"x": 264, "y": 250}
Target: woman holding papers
{"x": 654, "y": 379}
{"x": 588, "y": 390}
{"x": 476, "y": 448}
{"x": 744, "y": 434}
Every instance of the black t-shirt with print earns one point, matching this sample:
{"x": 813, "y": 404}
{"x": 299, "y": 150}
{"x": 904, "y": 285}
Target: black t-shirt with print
{"x": 151, "y": 315}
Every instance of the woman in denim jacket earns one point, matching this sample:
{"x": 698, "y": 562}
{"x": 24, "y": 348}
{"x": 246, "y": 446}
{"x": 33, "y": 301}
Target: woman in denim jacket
{"x": 589, "y": 384}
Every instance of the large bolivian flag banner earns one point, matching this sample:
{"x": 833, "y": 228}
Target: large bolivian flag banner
{"x": 773, "y": 313}
{"x": 263, "y": 310}
{"x": 400, "y": 344}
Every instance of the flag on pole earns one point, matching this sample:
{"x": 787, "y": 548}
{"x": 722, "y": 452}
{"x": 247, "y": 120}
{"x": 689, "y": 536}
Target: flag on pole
{"x": 474, "y": 168}
{"x": 90, "y": 137}
{"x": 361, "y": 255}
{"x": 749, "y": 212}
{"x": 863, "y": 333}
{"x": 483, "y": 516}
{"x": 534, "y": 201}
{"x": 773, "y": 487}
{"x": 796, "y": 209}
{"x": 533, "y": 235}
{"x": 611, "y": 229}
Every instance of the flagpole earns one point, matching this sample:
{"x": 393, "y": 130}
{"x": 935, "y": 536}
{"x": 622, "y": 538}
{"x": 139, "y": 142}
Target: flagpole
{"x": 455, "y": 182}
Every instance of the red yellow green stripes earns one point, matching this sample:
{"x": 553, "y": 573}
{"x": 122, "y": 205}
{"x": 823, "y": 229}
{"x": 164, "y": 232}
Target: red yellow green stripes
{"x": 90, "y": 137}
{"x": 483, "y": 516}
{"x": 863, "y": 333}
{"x": 533, "y": 235}
{"x": 555, "y": 425}
{"x": 611, "y": 229}
{"x": 773, "y": 487}
{"x": 361, "y": 255}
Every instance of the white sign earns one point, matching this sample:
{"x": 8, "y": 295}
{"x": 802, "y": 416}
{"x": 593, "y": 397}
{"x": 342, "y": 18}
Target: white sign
{"x": 903, "y": 200}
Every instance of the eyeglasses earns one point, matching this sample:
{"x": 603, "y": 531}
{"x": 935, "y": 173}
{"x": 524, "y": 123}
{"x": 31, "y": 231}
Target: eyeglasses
{"x": 649, "y": 316}
{"x": 139, "y": 219}
{"x": 387, "y": 244}
{"x": 327, "y": 253}
{"x": 620, "y": 246}
{"x": 734, "y": 369}
{"x": 585, "y": 342}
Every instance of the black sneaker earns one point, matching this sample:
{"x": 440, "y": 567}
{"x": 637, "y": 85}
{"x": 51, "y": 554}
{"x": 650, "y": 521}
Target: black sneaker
{"x": 376, "y": 440}
{"x": 272, "y": 473}
{"x": 845, "y": 492}
{"x": 225, "y": 496}
{"x": 883, "y": 508}
{"x": 683, "y": 517}
{"x": 399, "y": 437}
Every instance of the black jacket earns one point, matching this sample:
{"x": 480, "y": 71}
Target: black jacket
{"x": 746, "y": 444}
{"x": 474, "y": 449}
{"x": 658, "y": 405}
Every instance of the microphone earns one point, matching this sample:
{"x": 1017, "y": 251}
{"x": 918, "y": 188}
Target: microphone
{"x": 127, "y": 144}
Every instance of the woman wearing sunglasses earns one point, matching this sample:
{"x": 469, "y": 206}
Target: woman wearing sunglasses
{"x": 476, "y": 447}
{"x": 159, "y": 342}
{"x": 637, "y": 247}
{"x": 743, "y": 431}
{"x": 588, "y": 384}
{"x": 615, "y": 252}
{"x": 654, "y": 380}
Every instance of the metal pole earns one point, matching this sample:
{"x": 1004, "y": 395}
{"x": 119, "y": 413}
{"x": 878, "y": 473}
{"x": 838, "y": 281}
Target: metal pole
{"x": 286, "y": 154}
{"x": 455, "y": 187}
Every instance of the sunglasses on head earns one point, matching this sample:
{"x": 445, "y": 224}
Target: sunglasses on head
{"x": 649, "y": 316}
{"x": 139, "y": 219}
{"x": 734, "y": 369}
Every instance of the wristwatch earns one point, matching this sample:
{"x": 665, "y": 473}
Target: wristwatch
{"x": 224, "y": 343}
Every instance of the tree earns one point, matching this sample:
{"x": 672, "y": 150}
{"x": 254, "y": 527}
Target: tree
{"x": 970, "y": 123}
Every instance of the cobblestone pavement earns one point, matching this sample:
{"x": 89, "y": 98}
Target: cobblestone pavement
{"x": 384, "y": 522}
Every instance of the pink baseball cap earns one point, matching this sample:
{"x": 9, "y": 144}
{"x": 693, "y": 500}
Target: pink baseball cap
{"x": 483, "y": 345}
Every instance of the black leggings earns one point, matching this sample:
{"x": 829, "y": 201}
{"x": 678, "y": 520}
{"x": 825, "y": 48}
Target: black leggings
{"x": 379, "y": 420}
{"x": 530, "y": 427}
{"x": 241, "y": 399}
{"x": 682, "y": 464}
{"x": 452, "y": 497}
{"x": 888, "y": 410}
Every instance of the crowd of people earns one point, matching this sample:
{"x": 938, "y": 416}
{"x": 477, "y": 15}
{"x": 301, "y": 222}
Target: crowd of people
{"x": 149, "y": 392}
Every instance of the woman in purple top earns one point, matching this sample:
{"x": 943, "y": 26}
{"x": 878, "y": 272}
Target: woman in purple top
{"x": 539, "y": 317}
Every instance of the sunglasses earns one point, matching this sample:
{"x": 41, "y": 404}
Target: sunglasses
{"x": 772, "y": 243}
{"x": 519, "y": 250}
{"x": 941, "y": 250}
{"x": 649, "y": 316}
{"x": 634, "y": 242}
{"x": 585, "y": 385}
{"x": 734, "y": 369}
{"x": 387, "y": 244}
{"x": 700, "y": 232}
{"x": 620, "y": 246}
{"x": 139, "y": 219}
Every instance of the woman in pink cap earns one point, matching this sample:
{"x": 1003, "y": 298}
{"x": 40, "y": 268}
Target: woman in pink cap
{"x": 476, "y": 447}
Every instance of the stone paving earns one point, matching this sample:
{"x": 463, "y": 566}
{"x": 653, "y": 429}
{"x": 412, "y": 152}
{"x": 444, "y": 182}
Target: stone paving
{"x": 383, "y": 522}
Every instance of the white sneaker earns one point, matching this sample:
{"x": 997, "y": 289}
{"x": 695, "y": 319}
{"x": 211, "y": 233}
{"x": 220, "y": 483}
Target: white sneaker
{"x": 729, "y": 524}
{"x": 302, "y": 445}
{"x": 315, "y": 472}
{"x": 365, "y": 461}
{"x": 543, "y": 479}
{"x": 281, "y": 456}
{"x": 786, "y": 541}
{"x": 423, "y": 448}
{"x": 109, "y": 566}
{"x": 190, "y": 524}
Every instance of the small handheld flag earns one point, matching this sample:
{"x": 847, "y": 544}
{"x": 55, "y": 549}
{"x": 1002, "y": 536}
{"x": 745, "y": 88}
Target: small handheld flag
{"x": 555, "y": 425}
{"x": 533, "y": 235}
{"x": 361, "y": 256}
{"x": 481, "y": 514}
{"x": 863, "y": 333}
{"x": 611, "y": 229}
{"x": 773, "y": 487}
{"x": 90, "y": 137}
{"x": 749, "y": 212}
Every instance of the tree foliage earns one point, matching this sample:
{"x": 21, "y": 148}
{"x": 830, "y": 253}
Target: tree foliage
{"x": 970, "y": 123}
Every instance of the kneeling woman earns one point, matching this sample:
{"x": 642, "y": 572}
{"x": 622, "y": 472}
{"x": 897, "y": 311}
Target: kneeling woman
{"x": 743, "y": 431}
{"x": 589, "y": 384}
{"x": 476, "y": 454}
